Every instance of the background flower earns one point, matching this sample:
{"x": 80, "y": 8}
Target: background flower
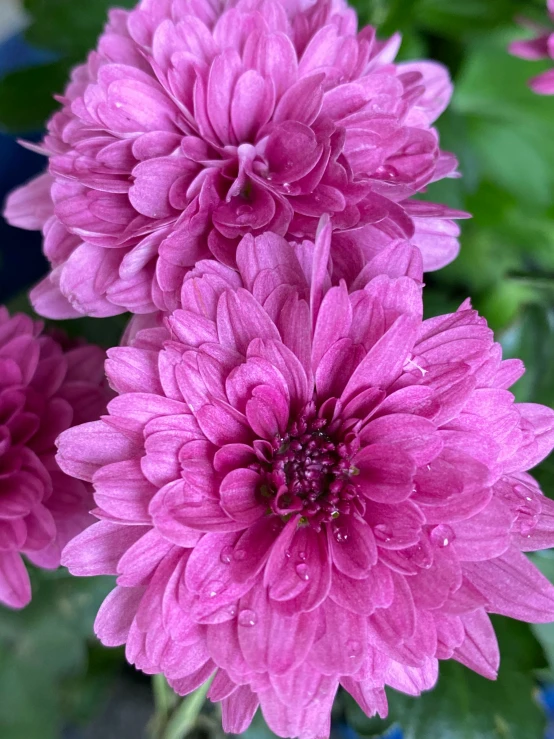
{"x": 301, "y": 486}
{"x": 191, "y": 126}
{"x": 540, "y": 47}
{"x": 46, "y": 384}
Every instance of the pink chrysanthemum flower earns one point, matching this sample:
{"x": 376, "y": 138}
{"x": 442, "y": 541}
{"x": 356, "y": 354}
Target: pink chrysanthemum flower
{"x": 306, "y": 487}
{"x": 195, "y": 123}
{"x": 540, "y": 47}
{"x": 46, "y": 385}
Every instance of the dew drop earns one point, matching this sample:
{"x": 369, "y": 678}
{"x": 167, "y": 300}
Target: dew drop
{"x": 528, "y": 525}
{"x": 213, "y": 588}
{"x": 287, "y": 553}
{"x": 340, "y": 535}
{"x": 353, "y": 648}
{"x": 442, "y": 535}
{"x": 239, "y": 555}
{"x": 421, "y": 556}
{"x": 383, "y": 532}
{"x": 302, "y": 556}
{"x": 226, "y": 555}
{"x": 286, "y": 186}
{"x": 248, "y": 617}
{"x": 302, "y": 571}
{"x": 232, "y": 611}
{"x": 387, "y": 172}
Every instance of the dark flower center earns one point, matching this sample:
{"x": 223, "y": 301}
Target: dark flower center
{"x": 310, "y": 472}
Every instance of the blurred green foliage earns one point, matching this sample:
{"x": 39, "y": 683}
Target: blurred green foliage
{"x": 52, "y": 672}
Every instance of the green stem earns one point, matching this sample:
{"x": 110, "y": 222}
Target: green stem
{"x": 165, "y": 701}
{"x": 163, "y": 697}
{"x": 184, "y": 718}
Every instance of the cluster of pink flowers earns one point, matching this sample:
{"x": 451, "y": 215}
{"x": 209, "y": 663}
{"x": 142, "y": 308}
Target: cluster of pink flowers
{"x": 300, "y": 484}
{"x": 540, "y": 47}
{"x": 196, "y": 123}
{"x": 47, "y": 383}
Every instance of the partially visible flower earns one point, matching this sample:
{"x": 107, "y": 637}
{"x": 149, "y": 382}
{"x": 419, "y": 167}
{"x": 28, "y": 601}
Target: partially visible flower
{"x": 540, "y": 47}
{"x": 195, "y": 123}
{"x": 301, "y": 486}
{"x": 46, "y": 385}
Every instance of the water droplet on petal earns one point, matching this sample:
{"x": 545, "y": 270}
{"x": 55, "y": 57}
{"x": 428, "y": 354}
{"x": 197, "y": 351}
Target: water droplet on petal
{"x": 420, "y": 555}
{"x": 341, "y": 536}
{"x": 302, "y": 571}
{"x": 287, "y": 553}
{"x": 386, "y": 172}
{"x": 213, "y": 588}
{"x": 239, "y": 555}
{"x": 383, "y": 532}
{"x": 248, "y": 617}
{"x": 232, "y": 610}
{"x": 302, "y": 556}
{"x": 353, "y": 648}
{"x": 528, "y": 510}
{"x": 226, "y": 555}
{"x": 442, "y": 535}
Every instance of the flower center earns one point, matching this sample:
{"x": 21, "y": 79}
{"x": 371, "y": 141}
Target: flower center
{"x": 310, "y": 472}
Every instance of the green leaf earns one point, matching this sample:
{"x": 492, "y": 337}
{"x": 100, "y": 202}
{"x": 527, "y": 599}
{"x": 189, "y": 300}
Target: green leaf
{"x": 42, "y": 649}
{"x": 505, "y": 151}
{"x": 26, "y": 100}
{"x": 465, "y": 705}
{"x": 531, "y": 339}
{"x": 67, "y": 26}
{"x": 106, "y": 332}
{"x": 544, "y": 633}
{"x": 457, "y": 17}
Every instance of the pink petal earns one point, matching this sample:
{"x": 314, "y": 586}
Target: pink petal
{"x": 240, "y": 319}
{"x": 238, "y": 709}
{"x": 479, "y": 650}
{"x": 99, "y": 548}
{"x": 270, "y": 640}
{"x": 363, "y": 596}
{"x": 116, "y": 615}
{"x": 15, "y": 586}
{"x": 513, "y": 587}
{"x": 384, "y": 361}
{"x": 352, "y": 547}
{"x": 386, "y": 473}
{"x": 239, "y": 495}
{"x": 341, "y": 648}
{"x": 123, "y": 492}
